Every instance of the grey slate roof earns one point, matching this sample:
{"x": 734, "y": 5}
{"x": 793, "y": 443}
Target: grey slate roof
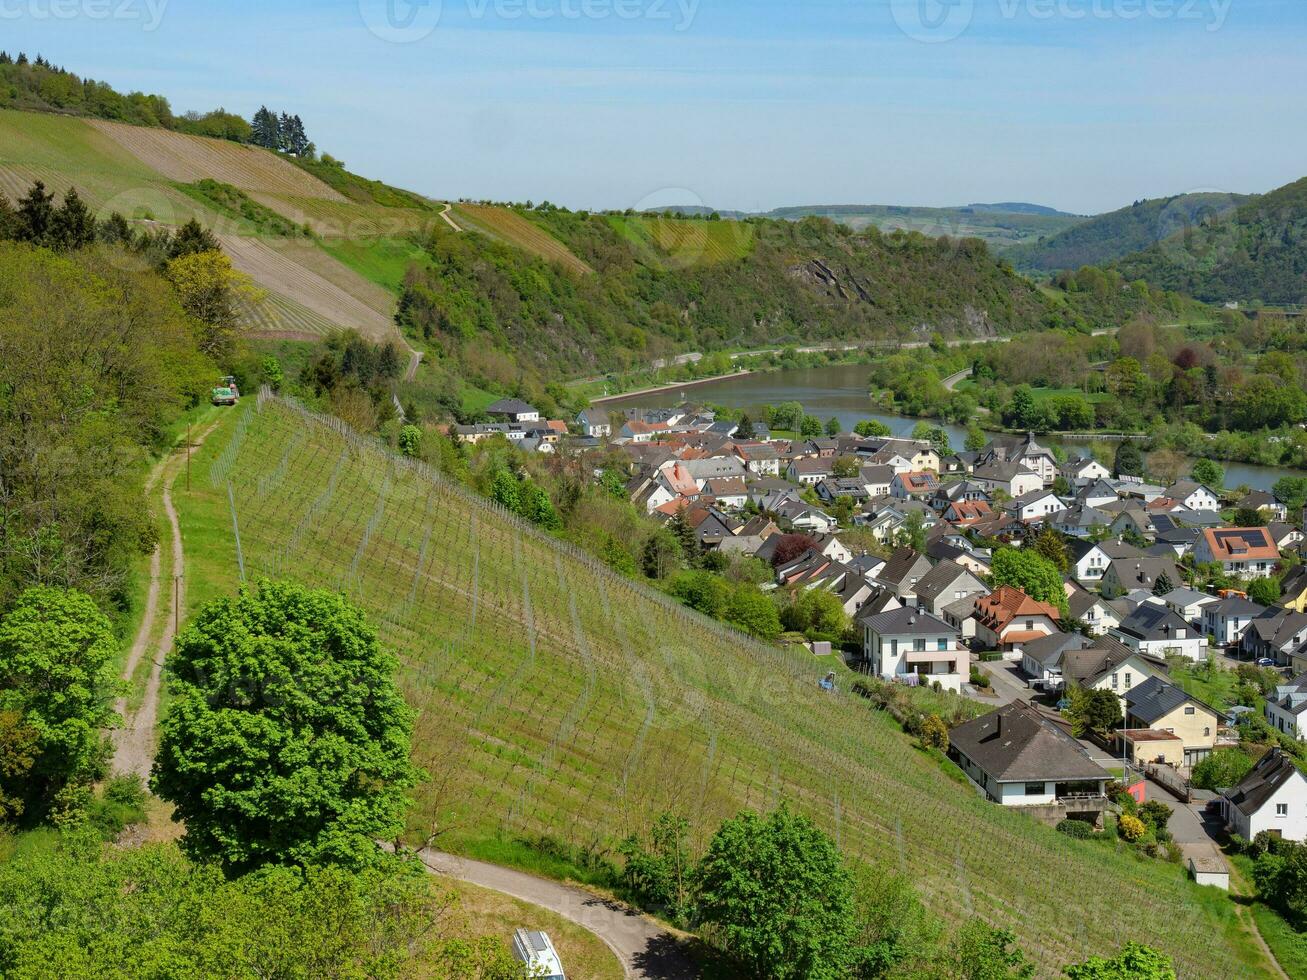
{"x": 938, "y": 579}
{"x": 1049, "y": 650}
{"x": 1150, "y": 621}
{"x": 1155, "y": 698}
{"x": 510, "y": 406}
{"x": 900, "y": 566}
{"x": 1272, "y": 771}
{"x": 1016, "y": 743}
{"x": 1083, "y": 666}
{"x": 906, "y": 622}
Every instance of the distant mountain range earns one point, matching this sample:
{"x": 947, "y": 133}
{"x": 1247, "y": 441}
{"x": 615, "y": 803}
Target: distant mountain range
{"x": 999, "y": 225}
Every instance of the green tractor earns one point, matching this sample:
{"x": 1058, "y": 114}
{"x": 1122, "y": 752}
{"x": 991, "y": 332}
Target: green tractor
{"x": 226, "y": 393}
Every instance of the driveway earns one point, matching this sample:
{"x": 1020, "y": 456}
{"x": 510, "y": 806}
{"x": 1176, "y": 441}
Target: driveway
{"x": 647, "y": 951}
{"x": 1009, "y": 683}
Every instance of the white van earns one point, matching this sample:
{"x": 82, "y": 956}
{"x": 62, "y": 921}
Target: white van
{"x": 538, "y": 953}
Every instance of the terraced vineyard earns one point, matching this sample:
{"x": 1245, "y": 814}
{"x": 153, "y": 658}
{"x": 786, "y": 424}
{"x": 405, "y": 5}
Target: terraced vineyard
{"x": 504, "y": 224}
{"x": 556, "y": 697}
{"x": 680, "y": 243}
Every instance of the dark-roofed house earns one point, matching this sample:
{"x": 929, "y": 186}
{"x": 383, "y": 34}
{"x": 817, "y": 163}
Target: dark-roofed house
{"x": 1124, "y": 575}
{"x": 1020, "y": 758}
{"x": 1041, "y": 659}
{"x": 514, "y": 410}
{"x": 945, "y": 584}
{"x": 1263, "y": 501}
{"x": 914, "y": 647}
{"x": 902, "y": 572}
{"x": 1160, "y": 706}
{"x": 1160, "y": 632}
{"x": 1110, "y": 666}
{"x": 1271, "y": 798}
{"x": 1280, "y": 634}
{"x": 1287, "y": 706}
{"x": 1226, "y": 619}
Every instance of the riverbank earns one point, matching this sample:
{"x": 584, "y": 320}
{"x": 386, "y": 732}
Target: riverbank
{"x": 668, "y": 387}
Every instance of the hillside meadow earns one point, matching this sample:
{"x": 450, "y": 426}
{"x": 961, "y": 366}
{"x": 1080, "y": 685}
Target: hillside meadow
{"x": 556, "y": 698}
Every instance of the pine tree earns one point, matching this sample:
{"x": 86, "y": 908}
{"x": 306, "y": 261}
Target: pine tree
{"x": 73, "y": 226}
{"x": 36, "y": 215}
{"x": 265, "y": 130}
{"x": 191, "y": 239}
{"x": 297, "y": 141}
{"x": 744, "y": 431}
{"x": 285, "y": 131}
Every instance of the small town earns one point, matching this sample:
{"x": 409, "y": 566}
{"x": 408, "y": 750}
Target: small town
{"x": 1161, "y": 594}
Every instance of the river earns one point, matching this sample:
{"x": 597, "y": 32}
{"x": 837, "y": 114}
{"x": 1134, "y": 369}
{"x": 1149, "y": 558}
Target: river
{"x": 840, "y": 390}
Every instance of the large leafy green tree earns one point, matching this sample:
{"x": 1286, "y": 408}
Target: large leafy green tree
{"x": 1030, "y": 572}
{"x": 287, "y": 740}
{"x": 1134, "y": 962}
{"x": 776, "y": 896}
{"x": 56, "y": 683}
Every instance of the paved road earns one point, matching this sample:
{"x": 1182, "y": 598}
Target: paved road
{"x": 646, "y": 950}
{"x": 1008, "y": 682}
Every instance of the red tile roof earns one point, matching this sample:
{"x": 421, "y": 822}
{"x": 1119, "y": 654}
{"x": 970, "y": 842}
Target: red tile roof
{"x": 1241, "y": 544}
{"x": 1006, "y": 603}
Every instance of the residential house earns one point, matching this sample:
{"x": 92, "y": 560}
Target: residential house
{"x": 1011, "y": 478}
{"x": 902, "y": 572}
{"x": 1286, "y": 707}
{"x": 804, "y": 517}
{"x": 965, "y": 513}
{"x": 1018, "y": 757}
{"x": 1023, "y": 451}
{"x": 1293, "y": 589}
{"x": 914, "y": 647}
{"x": 1193, "y": 496}
{"x": 1271, "y": 798}
{"x": 1158, "y": 705}
{"x": 1286, "y": 536}
{"x": 835, "y": 488}
{"x": 1124, "y": 575}
{"x": 1189, "y": 604}
{"x": 1098, "y": 614}
{"x": 1157, "y": 630}
{"x": 945, "y": 584}
{"x": 1227, "y": 619}
{"x": 878, "y": 480}
{"x": 974, "y": 560}
{"x": 1007, "y": 619}
{"x": 594, "y": 422}
{"x": 1079, "y": 521}
{"x": 1083, "y": 470}
{"x": 729, "y": 492}
{"x": 1035, "y": 505}
{"x": 966, "y": 490}
{"x": 1278, "y": 634}
{"x": 1260, "y": 500}
{"x": 1110, "y": 666}
{"x": 636, "y": 431}
{"x": 749, "y": 539}
{"x": 914, "y": 486}
{"x": 810, "y": 470}
{"x": 1090, "y": 560}
{"x": 1130, "y": 517}
{"x": 1041, "y": 659}
{"x": 513, "y": 410}
{"x": 1181, "y": 540}
{"x": 1247, "y": 552}
{"x": 759, "y": 458}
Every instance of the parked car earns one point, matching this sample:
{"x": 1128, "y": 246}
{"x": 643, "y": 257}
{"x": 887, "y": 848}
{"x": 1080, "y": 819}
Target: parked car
{"x": 535, "y": 949}
{"x": 1265, "y": 662}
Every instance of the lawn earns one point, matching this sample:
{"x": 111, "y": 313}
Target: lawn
{"x": 554, "y": 697}
{"x": 1215, "y": 687}
{"x": 383, "y": 261}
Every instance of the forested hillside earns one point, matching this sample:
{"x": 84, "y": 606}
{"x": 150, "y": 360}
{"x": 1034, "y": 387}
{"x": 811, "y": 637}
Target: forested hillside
{"x": 1108, "y": 237}
{"x": 1257, "y": 252}
{"x": 501, "y": 312}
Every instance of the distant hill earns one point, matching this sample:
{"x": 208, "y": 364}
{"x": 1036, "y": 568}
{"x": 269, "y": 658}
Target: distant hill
{"x": 998, "y": 225}
{"x": 1257, "y": 251}
{"x": 1111, "y": 236}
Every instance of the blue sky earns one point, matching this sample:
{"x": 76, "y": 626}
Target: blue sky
{"x": 1084, "y": 105}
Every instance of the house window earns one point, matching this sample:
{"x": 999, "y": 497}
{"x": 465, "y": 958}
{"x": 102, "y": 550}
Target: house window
{"x": 1206, "y": 732}
{"x": 1282, "y": 809}
{"x": 1034, "y": 789}
{"x": 1030, "y": 624}
{"x": 1127, "y": 680}
{"x": 918, "y": 645}
{"x": 943, "y": 644}
{"x": 1114, "y": 682}
{"x": 1189, "y": 710}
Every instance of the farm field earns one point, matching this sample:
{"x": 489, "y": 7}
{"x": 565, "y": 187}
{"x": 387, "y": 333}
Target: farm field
{"x": 341, "y": 219}
{"x": 186, "y": 159}
{"x": 276, "y": 271}
{"x": 556, "y": 697}
{"x": 685, "y": 242}
{"x": 514, "y": 229}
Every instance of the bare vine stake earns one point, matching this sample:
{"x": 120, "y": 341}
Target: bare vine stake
{"x": 240, "y": 555}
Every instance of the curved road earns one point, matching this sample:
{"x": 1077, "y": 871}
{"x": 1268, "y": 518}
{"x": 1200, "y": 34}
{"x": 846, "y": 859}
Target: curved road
{"x": 646, "y": 950}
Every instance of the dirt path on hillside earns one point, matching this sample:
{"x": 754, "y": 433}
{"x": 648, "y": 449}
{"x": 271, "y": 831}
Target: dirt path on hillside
{"x": 646, "y": 950}
{"x": 133, "y": 743}
{"x": 448, "y": 215}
